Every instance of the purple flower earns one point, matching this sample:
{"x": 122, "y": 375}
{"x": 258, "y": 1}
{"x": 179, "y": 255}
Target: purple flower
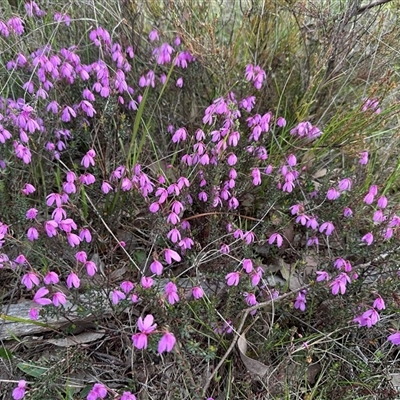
{"x": 163, "y": 53}
{"x": 73, "y": 280}
{"x": 255, "y": 173}
{"x": 98, "y": 391}
{"x": 339, "y": 284}
{"x": 179, "y": 135}
{"x": 327, "y": 227}
{"x": 186, "y": 243}
{"x": 16, "y": 25}
{"x": 368, "y": 318}
{"x": 29, "y": 280}
{"x": 32, "y": 234}
{"x": 146, "y": 282}
{"x": 364, "y": 158}
{"x": 368, "y": 238}
{"x": 128, "y": 396}
{"x": 145, "y": 327}
{"x": 179, "y": 82}
{"x": 281, "y": 122}
{"x": 85, "y": 235}
{"x": 51, "y": 278}
{"x": 276, "y": 237}
{"x": 382, "y": 202}
{"x": 117, "y": 296}
{"x": 225, "y": 249}
{"x": 59, "y": 298}
{"x": 379, "y": 303}
{"x": 332, "y": 194}
{"x": 34, "y": 314}
{"x": 347, "y": 212}
{"x": 369, "y": 198}
{"x": 313, "y": 241}
{"x": 300, "y": 302}
{"x": 166, "y": 343}
{"x": 39, "y": 297}
{"x": 171, "y": 292}
{"x": 322, "y": 276}
{"x": 250, "y": 299}
{"x": 73, "y": 239}
{"x": 395, "y": 338}
{"x": 248, "y": 265}
{"x": 312, "y": 223}
{"x": 28, "y": 189}
{"x": 88, "y": 159}
{"x": 91, "y": 268}
{"x": 106, "y": 187}
{"x": 126, "y": 286}
{"x": 153, "y": 35}
{"x": 174, "y": 235}
{"x": 291, "y": 160}
{"x": 156, "y": 267}
{"x": 19, "y": 392}
{"x": 197, "y": 292}
{"x": 345, "y": 184}
{"x": 232, "y": 279}
{"x": 378, "y": 216}
{"x": 170, "y": 255}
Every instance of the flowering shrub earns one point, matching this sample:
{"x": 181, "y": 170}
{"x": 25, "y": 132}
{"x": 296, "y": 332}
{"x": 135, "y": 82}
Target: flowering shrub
{"x": 180, "y": 222}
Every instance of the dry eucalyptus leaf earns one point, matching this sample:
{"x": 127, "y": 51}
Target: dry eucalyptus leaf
{"x": 296, "y": 281}
{"x": 320, "y": 174}
{"x": 286, "y": 269}
{"x": 311, "y": 265}
{"x": 85, "y": 337}
{"x": 308, "y": 159}
{"x": 312, "y": 371}
{"x": 253, "y": 366}
{"x": 395, "y": 378}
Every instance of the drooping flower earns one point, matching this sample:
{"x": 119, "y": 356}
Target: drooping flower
{"x": 339, "y": 284}
{"x": 171, "y": 292}
{"x": 395, "y": 338}
{"x": 73, "y": 280}
{"x": 232, "y": 279}
{"x": 170, "y": 255}
{"x": 29, "y": 280}
{"x": 368, "y": 238}
{"x": 197, "y": 292}
{"x": 364, "y": 158}
{"x": 39, "y": 297}
{"x": 300, "y": 302}
{"x": 368, "y": 318}
{"x": 247, "y": 265}
{"x": 276, "y": 237}
{"x": 166, "y": 343}
{"x": 322, "y": 276}
{"x": 146, "y": 327}
{"x": 98, "y": 391}
{"x": 88, "y": 158}
{"x": 379, "y": 303}
{"x": 327, "y": 227}
{"x": 19, "y": 392}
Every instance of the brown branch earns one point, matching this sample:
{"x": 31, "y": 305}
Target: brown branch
{"x": 238, "y": 331}
{"x": 372, "y": 5}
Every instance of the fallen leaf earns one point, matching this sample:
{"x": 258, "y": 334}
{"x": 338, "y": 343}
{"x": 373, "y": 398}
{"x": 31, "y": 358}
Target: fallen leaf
{"x": 252, "y": 365}
{"x": 85, "y": 337}
{"x": 319, "y": 174}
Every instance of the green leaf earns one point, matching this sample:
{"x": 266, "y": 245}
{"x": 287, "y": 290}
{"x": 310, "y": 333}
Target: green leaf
{"x": 32, "y": 370}
{"x": 5, "y": 353}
